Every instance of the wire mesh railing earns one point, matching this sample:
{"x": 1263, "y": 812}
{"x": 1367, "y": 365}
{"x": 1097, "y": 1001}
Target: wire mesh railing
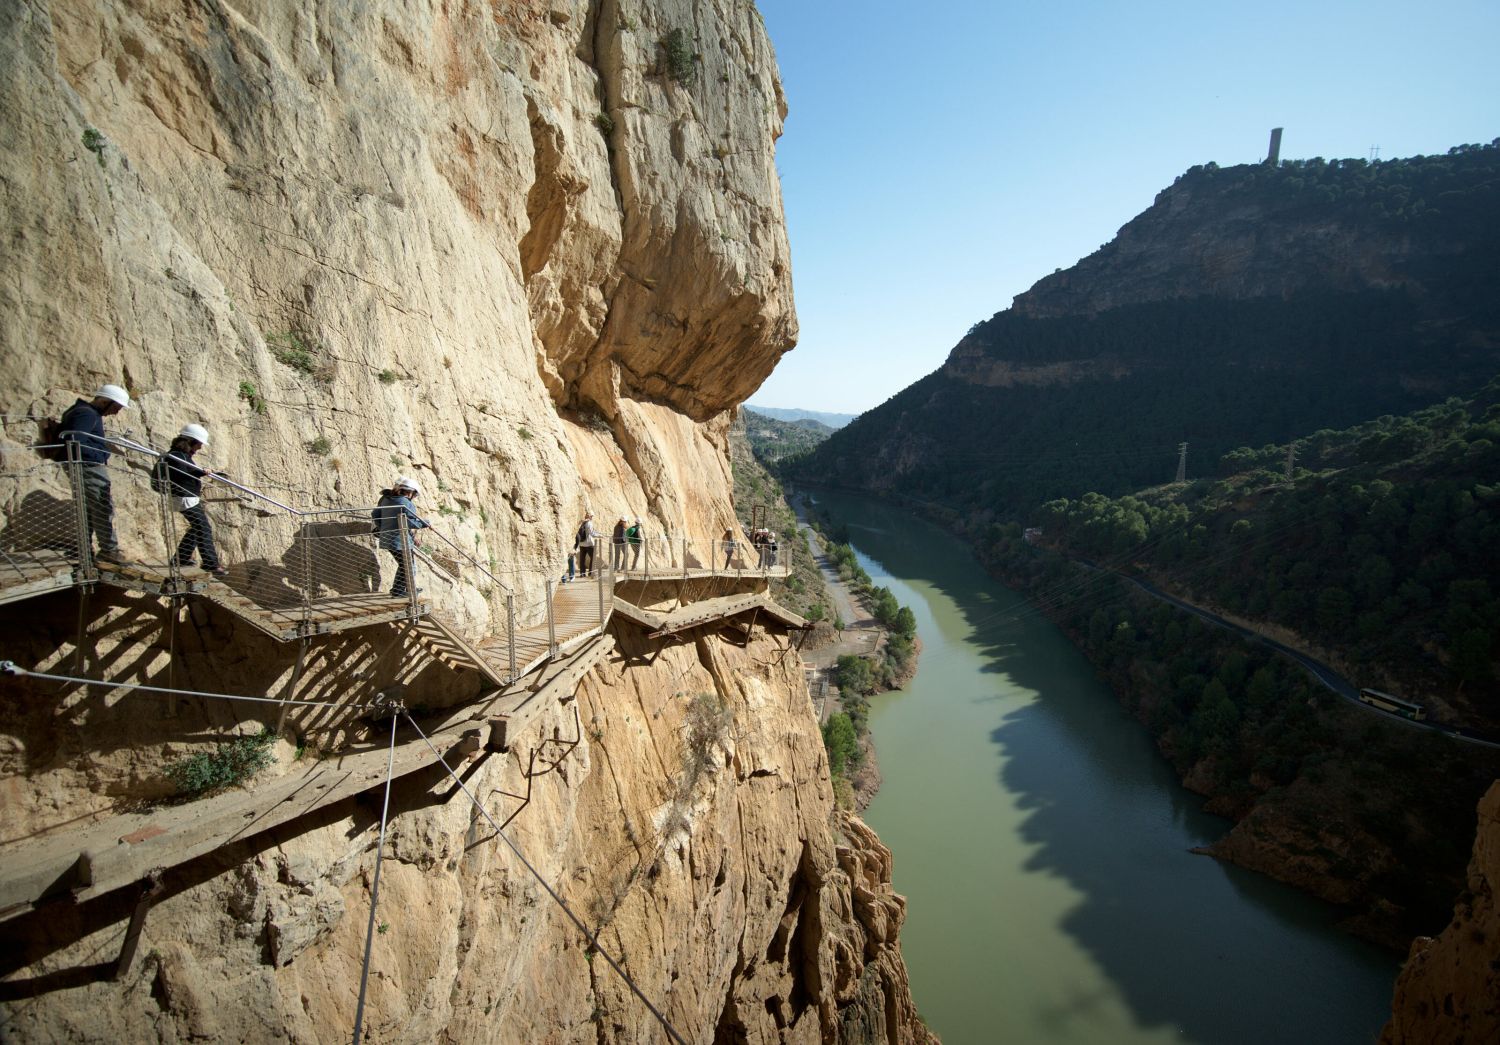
{"x": 662, "y": 557}
{"x": 39, "y": 520}
{"x": 299, "y": 572}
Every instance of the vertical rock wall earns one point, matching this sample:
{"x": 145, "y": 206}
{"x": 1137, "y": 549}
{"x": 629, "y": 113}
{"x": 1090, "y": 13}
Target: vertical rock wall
{"x": 1449, "y": 990}
{"x": 531, "y": 253}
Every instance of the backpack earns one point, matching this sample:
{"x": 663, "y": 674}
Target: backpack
{"x": 52, "y": 448}
{"x": 161, "y": 480}
{"x": 583, "y": 534}
{"x": 378, "y": 515}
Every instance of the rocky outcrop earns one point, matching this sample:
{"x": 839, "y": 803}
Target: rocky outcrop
{"x": 1449, "y": 989}
{"x": 533, "y": 255}
{"x": 1233, "y": 235}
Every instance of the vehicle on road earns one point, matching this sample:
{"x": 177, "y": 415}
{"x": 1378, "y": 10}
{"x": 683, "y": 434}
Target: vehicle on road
{"x": 1395, "y": 705}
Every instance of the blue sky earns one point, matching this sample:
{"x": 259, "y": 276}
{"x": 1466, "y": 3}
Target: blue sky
{"x": 939, "y": 160}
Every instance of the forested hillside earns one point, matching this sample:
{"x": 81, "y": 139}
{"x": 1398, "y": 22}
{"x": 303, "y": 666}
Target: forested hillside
{"x": 1382, "y": 548}
{"x": 1379, "y": 557}
{"x": 1246, "y": 306}
{"x": 772, "y": 439}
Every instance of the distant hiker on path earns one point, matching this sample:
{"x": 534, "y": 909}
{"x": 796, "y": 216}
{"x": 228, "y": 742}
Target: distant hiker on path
{"x": 730, "y": 546}
{"x": 83, "y": 425}
{"x": 395, "y": 504}
{"x": 617, "y": 545}
{"x": 178, "y": 475}
{"x": 636, "y": 536}
{"x": 585, "y": 544}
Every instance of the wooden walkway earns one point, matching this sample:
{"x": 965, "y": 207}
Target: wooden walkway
{"x": 319, "y": 617}
{"x": 24, "y": 574}
{"x": 83, "y": 863}
{"x": 87, "y": 862}
{"x": 694, "y": 573}
{"x": 154, "y": 578}
{"x": 575, "y": 611}
{"x": 695, "y": 614}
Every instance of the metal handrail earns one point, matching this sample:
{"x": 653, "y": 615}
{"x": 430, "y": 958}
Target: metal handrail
{"x": 459, "y": 549}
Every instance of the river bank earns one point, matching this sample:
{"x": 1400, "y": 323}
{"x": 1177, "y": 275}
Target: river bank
{"x": 862, "y": 636}
{"x": 1326, "y": 798}
{"x": 1043, "y": 844}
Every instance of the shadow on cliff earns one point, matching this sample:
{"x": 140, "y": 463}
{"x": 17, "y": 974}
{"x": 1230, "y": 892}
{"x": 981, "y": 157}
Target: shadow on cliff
{"x": 1204, "y": 950}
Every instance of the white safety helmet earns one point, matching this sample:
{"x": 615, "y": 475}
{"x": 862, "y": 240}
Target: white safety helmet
{"x": 195, "y": 432}
{"x": 406, "y": 483}
{"x": 115, "y": 394}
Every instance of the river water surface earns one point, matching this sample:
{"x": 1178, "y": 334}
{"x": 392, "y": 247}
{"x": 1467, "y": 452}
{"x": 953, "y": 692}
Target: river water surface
{"x": 1042, "y": 845}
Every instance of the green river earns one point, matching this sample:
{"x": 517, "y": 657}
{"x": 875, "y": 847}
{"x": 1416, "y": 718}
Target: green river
{"x": 1042, "y": 844}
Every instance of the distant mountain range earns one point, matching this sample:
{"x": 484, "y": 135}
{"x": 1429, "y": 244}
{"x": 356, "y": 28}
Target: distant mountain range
{"x": 784, "y": 414}
{"x": 1247, "y": 305}
{"x": 771, "y": 439}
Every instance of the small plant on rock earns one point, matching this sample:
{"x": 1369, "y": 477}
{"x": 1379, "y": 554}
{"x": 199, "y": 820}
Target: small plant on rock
{"x": 93, "y": 141}
{"x": 250, "y": 394}
{"x": 230, "y": 764}
{"x": 682, "y": 62}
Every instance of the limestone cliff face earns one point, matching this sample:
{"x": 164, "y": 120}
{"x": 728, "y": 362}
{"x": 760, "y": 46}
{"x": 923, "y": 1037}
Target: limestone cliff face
{"x": 1449, "y": 990}
{"x": 532, "y": 255}
{"x": 422, "y": 211}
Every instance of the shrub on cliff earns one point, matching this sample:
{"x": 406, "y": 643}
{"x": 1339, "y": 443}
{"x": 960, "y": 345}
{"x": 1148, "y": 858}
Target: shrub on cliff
{"x": 234, "y": 763}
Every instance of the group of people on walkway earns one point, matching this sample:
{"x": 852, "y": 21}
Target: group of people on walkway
{"x": 626, "y": 542}
{"x": 177, "y": 476}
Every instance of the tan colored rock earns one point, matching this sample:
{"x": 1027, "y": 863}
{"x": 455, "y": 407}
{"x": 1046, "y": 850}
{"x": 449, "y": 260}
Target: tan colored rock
{"x": 405, "y": 232}
{"x": 1449, "y": 989}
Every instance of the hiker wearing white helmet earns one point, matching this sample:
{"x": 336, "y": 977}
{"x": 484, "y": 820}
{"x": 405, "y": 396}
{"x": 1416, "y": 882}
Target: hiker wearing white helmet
{"x": 83, "y": 426}
{"x": 177, "y": 475}
{"x": 395, "y": 504}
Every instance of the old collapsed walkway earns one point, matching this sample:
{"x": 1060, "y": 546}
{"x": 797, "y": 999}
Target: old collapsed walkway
{"x": 321, "y": 585}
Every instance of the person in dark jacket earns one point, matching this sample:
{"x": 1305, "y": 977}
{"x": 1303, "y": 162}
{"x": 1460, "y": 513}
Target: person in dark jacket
{"x": 83, "y": 427}
{"x": 395, "y": 504}
{"x": 185, "y": 485}
{"x": 584, "y": 544}
{"x": 617, "y": 545}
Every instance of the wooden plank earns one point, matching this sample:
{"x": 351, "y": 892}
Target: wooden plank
{"x": 36, "y": 586}
{"x": 39, "y": 868}
{"x": 512, "y": 717}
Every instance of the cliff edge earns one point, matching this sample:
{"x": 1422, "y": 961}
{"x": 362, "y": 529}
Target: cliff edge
{"x": 1449, "y": 989}
{"x": 532, "y": 255}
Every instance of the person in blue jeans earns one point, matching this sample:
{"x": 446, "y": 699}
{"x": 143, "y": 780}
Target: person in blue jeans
{"x": 185, "y": 485}
{"x": 83, "y": 424}
{"x": 393, "y": 505}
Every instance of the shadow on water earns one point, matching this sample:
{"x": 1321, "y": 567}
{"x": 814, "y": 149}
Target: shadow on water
{"x": 1197, "y": 950}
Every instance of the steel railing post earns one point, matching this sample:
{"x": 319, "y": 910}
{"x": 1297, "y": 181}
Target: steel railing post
{"x": 551, "y": 624}
{"x": 601, "y": 590}
{"x": 510, "y": 631}
{"x": 174, "y": 568}
{"x": 406, "y": 561}
{"x": 304, "y": 536}
{"x": 81, "y": 512}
